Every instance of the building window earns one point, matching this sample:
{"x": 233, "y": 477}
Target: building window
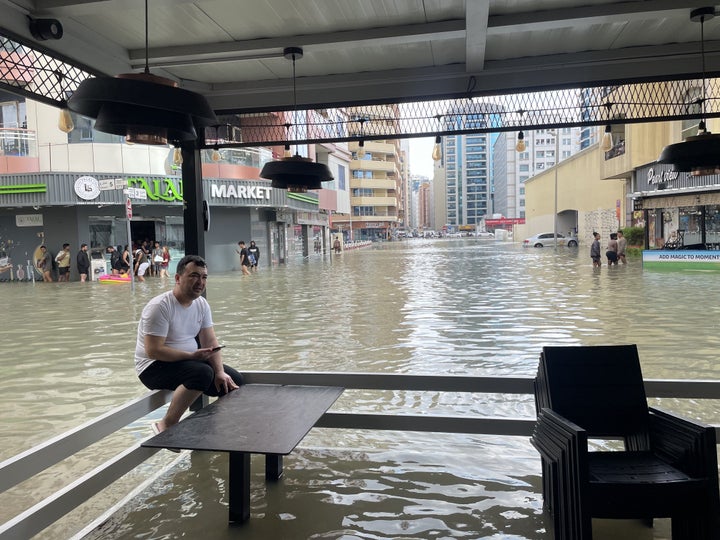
{"x": 341, "y": 177}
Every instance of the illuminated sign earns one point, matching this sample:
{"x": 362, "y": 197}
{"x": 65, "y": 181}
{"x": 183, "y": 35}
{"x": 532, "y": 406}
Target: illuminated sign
{"x": 158, "y": 189}
{"x": 240, "y": 191}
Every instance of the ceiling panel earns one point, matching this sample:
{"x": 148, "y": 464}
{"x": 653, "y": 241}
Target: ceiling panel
{"x": 398, "y": 50}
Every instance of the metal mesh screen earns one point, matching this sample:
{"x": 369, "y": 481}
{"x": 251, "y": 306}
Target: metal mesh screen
{"x": 42, "y": 76}
{"x": 37, "y": 75}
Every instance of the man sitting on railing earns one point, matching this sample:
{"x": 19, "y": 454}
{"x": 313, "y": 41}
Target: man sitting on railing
{"x": 176, "y": 346}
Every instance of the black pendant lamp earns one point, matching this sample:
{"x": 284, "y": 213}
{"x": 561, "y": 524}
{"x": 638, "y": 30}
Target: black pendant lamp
{"x": 295, "y": 173}
{"x": 143, "y": 107}
{"x": 698, "y": 155}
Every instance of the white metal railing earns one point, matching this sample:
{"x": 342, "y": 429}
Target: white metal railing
{"x": 33, "y": 461}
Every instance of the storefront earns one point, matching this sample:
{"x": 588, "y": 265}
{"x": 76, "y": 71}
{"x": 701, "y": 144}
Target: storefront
{"x": 681, "y": 216}
{"x": 52, "y": 209}
{"x": 679, "y": 211}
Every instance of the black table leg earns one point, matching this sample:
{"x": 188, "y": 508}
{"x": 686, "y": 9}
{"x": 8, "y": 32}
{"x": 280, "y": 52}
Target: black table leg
{"x": 239, "y": 486}
{"x": 273, "y": 466}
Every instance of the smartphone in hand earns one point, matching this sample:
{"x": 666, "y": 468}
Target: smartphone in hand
{"x": 216, "y": 349}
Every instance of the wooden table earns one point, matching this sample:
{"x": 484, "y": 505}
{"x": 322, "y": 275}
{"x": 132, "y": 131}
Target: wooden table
{"x": 255, "y": 419}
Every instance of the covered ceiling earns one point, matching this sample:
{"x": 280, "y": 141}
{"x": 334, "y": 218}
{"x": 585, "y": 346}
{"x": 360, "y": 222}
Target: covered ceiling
{"x": 382, "y": 51}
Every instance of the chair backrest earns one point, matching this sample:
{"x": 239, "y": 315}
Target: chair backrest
{"x": 599, "y": 388}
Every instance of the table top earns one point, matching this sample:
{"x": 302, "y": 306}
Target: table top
{"x": 255, "y": 418}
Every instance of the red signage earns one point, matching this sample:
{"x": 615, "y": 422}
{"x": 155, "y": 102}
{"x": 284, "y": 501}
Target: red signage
{"x": 504, "y": 221}
{"x": 128, "y": 209}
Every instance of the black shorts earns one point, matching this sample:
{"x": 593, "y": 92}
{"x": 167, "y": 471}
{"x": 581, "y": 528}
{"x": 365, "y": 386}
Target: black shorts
{"x": 611, "y": 256}
{"x": 63, "y": 270}
{"x": 193, "y": 374}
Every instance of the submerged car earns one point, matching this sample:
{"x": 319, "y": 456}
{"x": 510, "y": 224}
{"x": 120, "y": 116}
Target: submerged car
{"x": 547, "y": 239}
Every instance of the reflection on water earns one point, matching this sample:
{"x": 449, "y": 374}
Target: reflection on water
{"x": 448, "y": 307}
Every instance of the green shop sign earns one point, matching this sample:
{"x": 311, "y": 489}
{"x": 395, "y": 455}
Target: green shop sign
{"x": 159, "y": 189}
{"x": 23, "y": 188}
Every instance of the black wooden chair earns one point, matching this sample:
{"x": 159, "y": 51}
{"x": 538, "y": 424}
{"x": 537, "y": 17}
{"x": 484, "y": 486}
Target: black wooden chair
{"x": 668, "y": 467}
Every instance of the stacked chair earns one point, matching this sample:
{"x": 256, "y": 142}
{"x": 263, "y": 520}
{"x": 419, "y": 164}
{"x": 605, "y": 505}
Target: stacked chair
{"x": 668, "y": 467}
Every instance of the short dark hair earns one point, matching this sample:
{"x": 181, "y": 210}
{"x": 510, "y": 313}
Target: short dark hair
{"x": 187, "y": 259}
{"x": 82, "y": 245}
{"x": 66, "y": 245}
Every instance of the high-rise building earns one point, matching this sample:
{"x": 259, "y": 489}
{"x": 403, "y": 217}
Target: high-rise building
{"x": 378, "y": 171}
{"x": 512, "y": 169}
{"x": 467, "y": 161}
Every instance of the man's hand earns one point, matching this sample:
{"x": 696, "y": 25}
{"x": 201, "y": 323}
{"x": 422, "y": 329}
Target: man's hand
{"x": 224, "y": 383}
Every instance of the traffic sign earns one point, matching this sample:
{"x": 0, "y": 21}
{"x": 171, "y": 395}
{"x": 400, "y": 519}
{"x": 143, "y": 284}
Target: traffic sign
{"x": 128, "y": 209}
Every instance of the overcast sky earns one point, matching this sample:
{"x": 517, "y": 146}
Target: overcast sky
{"x": 421, "y": 161}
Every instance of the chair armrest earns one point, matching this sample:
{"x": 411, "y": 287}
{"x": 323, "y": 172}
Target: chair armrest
{"x": 555, "y": 435}
{"x": 686, "y": 444}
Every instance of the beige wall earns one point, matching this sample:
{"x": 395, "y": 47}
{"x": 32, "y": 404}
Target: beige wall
{"x": 581, "y": 189}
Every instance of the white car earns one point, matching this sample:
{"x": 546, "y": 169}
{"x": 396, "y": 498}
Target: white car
{"x": 547, "y": 239}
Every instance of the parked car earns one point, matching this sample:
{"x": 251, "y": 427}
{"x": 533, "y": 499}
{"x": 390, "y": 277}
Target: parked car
{"x": 485, "y": 234}
{"x": 547, "y": 239}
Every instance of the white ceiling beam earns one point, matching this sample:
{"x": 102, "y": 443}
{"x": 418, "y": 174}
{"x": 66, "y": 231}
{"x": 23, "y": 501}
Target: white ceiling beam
{"x": 250, "y": 49}
{"x": 498, "y": 77}
{"x": 476, "y": 31}
{"x": 595, "y": 14}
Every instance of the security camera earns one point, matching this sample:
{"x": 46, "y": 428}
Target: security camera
{"x": 44, "y": 29}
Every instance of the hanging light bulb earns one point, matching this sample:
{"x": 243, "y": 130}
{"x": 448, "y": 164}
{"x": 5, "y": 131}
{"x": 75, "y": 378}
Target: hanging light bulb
{"x": 520, "y": 146}
{"x": 177, "y": 156}
{"x": 215, "y": 155}
{"x": 361, "y": 149}
{"x": 698, "y": 154}
{"x": 295, "y": 173}
{"x": 437, "y": 149}
{"x": 607, "y": 140}
{"x": 287, "y": 152}
{"x": 65, "y": 121}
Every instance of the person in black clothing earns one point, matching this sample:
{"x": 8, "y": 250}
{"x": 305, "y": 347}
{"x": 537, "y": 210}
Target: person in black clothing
{"x": 115, "y": 260}
{"x": 83, "y": 263}
{"x": 253, "y": 255}
{"x": 244, "y": 260}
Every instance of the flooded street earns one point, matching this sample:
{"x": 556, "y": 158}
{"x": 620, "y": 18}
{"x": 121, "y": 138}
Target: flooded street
{"x": 462, "y": 307}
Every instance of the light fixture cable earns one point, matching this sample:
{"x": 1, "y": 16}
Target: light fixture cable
{"x": 699, "y": 154}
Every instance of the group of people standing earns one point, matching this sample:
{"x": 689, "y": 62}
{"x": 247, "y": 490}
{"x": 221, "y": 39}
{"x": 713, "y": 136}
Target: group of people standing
{"x": 145, "y": 260}
{"x": 46, "y": 263}
{"x": 249, "y": 256}
{"x": 615, "y": 249}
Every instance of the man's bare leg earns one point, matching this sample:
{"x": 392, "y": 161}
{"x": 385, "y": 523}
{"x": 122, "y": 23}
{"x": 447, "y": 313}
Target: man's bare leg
{"x": 181, "y": 400}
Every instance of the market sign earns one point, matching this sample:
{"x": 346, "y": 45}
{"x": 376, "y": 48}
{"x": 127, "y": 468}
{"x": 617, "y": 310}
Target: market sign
{"x": 240, "y": 191}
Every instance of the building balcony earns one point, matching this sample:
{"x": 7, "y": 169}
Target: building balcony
{"x": 18, "y": 151}
{"x": 389, "y": 167}
{"x": 391, "y": 217}
{"x": 373, "y": 201}
{"x": 373, "y": 183}
{"x": 376, "y": 148}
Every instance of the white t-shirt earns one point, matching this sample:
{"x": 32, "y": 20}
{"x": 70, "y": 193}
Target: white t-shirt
{"x": 164, "y": 316}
